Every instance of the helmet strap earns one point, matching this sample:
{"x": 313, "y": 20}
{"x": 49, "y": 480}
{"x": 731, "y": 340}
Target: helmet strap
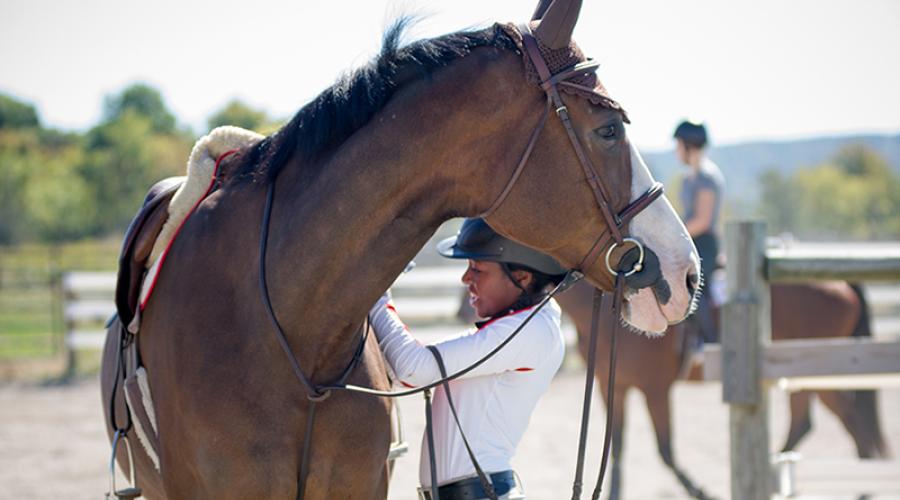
{"x": 512, "y": 278}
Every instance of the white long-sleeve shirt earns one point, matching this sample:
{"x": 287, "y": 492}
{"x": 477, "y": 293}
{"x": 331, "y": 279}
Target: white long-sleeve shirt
{"x": 494, "y": 401}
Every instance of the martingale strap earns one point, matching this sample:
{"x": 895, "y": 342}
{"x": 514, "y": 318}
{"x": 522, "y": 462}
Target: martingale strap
{"x": 314, "y": 393}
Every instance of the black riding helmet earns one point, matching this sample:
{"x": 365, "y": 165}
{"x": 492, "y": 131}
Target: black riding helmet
{"x": 692, "y": 133}
{"x": 476, "y": 240}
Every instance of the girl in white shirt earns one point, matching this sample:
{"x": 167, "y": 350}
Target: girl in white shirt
{"x": 494, "y": 402}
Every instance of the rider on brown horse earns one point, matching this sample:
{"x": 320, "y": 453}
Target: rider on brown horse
{"x": 701, "y": 204}
{"x": 505, "y": 280}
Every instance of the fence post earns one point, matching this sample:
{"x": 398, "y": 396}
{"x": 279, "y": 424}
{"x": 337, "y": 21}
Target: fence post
{"x": 68, "y": 326}
{"x": 746, "y": 326}
{"x": 57, "y": 326}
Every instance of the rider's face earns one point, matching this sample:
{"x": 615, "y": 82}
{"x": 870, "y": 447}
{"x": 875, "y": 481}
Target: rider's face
{"x": 490, "y": 290}
{"x": 681, "y": 151}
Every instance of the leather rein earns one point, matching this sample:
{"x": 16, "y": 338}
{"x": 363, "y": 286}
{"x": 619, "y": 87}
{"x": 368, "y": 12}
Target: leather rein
{"x": 609, "y": 239}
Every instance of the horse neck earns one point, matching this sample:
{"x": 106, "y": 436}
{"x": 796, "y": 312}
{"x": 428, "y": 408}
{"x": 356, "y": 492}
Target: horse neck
{"x": 442, "y": 147}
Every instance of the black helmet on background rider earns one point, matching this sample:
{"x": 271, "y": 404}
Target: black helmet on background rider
{"x": 692, "y": 133}
{"x": 477, "y": 241}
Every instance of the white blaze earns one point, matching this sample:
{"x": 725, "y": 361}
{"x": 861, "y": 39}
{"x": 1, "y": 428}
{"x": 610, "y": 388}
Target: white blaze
{"x": 660, "y": 229}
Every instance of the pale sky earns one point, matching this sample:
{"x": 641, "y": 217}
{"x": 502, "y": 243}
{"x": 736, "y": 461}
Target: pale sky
{"x": 760, "y": 69}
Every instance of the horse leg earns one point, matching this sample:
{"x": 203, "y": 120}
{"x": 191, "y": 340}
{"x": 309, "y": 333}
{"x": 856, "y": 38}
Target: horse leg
{"x": 801, "y": 420}
{"x": 660, "y": 414}
{"x": 841, "y": 404}
{"x": 865, "y": 402}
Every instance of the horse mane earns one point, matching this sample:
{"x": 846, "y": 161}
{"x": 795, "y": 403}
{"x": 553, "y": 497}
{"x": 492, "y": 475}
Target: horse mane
{"x": 345, "y": 107}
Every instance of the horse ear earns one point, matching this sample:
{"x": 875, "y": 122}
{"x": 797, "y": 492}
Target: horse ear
{"x": 541, "y": 9}
{"x": 557, "y": 22}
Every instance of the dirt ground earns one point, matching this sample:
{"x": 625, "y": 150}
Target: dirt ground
{"x": 52, "y": 443}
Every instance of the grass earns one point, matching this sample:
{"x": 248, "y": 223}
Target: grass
{"x": 31, "y": 323}
{"x": 27, "y": 346}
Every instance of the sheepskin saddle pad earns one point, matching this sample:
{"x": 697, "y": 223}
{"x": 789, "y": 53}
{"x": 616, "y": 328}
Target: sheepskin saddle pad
{"x": 165, "y": 209}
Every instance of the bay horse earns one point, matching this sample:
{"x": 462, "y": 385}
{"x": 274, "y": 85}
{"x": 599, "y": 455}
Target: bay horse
{"x": 799, "y": 311}
{"x": 365, "y": 173}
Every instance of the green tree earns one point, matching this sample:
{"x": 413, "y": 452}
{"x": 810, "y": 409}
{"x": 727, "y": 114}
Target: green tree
{"x": 18, "y": 157}
{"x": 57, "y": 186}
{"x": 40, "y": 188}
{"x": 879, "y": 187}
{"x": 240, "y": 115}
{"x": 124, "y": 157}
{"x": 118, "y": 168}
{"x": 144, "y": 100}
{"x": 15, "y": 114}
{"x": 779, "y": 206}
{"x": 855, "y": 195}
{"x": 58, "y": 201}
{"x": 859, "y": 161}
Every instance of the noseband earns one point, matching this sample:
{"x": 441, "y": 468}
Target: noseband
{"x": 615, "y": 222}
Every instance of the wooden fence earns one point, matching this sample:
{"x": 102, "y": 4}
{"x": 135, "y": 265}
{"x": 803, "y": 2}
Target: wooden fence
{"x": 749, "y": 362}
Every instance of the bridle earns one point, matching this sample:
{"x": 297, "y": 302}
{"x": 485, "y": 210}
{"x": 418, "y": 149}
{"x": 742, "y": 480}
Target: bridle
{"x": 614, "y": 221}
{"x": 608, "y": 239}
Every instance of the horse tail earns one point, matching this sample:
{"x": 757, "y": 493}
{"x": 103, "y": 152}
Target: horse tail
{"x": 866, "y": 401}
{"x": 863, "y": 326}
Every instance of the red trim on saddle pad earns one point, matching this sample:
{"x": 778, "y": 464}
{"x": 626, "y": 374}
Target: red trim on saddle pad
{"x": 165, "y": 252}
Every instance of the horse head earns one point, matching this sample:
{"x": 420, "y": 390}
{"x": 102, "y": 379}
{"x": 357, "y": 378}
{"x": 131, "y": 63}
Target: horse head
{"x": 576, "y": 180}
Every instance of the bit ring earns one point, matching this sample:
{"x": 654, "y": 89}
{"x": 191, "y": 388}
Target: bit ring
{"x": 637, "y": 265}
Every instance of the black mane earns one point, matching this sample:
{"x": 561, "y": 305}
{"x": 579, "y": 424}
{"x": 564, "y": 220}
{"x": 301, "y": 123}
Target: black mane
{"x": 345, "y": 107}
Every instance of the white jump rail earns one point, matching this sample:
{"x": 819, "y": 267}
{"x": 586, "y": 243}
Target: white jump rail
{"x": 87, "y": 301}
{"x": 425, "y": 296}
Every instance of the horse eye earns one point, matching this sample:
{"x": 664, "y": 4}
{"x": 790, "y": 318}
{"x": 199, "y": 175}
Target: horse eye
{"x": 606, "y": 132}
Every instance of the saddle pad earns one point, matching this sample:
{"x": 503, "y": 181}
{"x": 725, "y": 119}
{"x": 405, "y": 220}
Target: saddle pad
{"x": 201, "y": 168}
{"x": 201, "y": 172}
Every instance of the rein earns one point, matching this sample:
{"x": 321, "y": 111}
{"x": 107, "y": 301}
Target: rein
{"x": 609, "y": 239}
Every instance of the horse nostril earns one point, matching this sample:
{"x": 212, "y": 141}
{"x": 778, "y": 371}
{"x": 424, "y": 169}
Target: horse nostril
{"x": 693, "y": 279}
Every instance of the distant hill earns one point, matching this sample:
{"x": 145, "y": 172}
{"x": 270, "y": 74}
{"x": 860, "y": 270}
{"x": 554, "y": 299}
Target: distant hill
{"x": 743, "y": 163}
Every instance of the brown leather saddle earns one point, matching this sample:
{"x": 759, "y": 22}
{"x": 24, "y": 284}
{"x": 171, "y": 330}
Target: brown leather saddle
{"x": 125, "y": 403}
{"x": 138, "y": 243}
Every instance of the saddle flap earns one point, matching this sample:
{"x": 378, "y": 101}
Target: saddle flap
{"x": 143, "y": 415}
